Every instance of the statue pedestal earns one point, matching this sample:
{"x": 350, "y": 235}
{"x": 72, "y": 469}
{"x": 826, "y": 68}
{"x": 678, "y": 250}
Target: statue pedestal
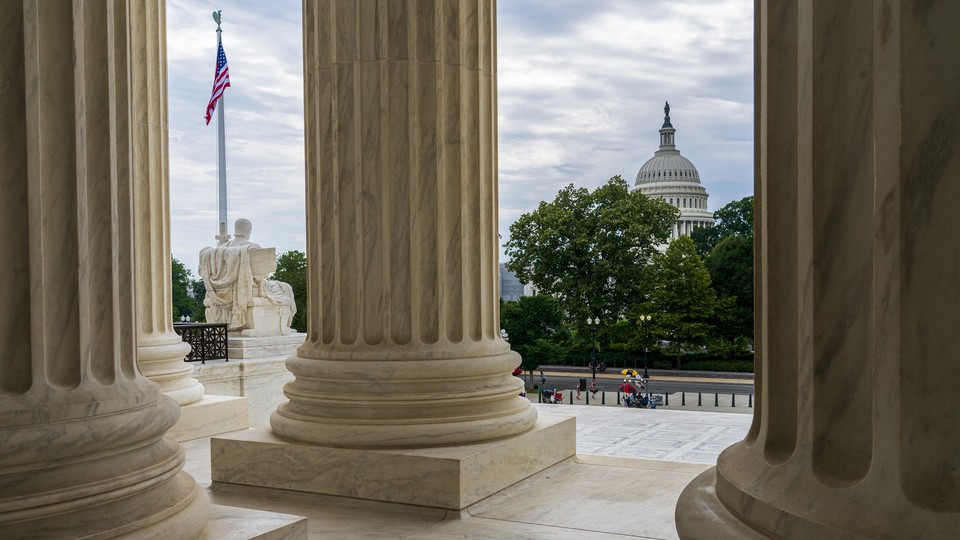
{"x": 265, "y": 319}
{"x": 451, "y": 477}
{"x": 241, "y": 347}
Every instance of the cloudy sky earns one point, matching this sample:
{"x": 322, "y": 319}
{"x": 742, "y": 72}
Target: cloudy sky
{"x": 582, "y": 85}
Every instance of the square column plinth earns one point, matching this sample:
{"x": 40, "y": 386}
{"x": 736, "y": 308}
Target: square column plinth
{"x": 451, "y": 477}
{"x": 211, "y": 415}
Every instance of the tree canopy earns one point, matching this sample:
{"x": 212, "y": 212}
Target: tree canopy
{"x": 187, "y": 292}
{"x": 589, "y": 249}
{"x": 595, "y": 254}
{"x": 683, "y": 301}
{"x": 535, "y": 328}
{"x": 734, "y": 219}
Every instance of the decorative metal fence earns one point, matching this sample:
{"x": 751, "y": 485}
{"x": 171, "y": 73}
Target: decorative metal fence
{"x": 208, "y": 341}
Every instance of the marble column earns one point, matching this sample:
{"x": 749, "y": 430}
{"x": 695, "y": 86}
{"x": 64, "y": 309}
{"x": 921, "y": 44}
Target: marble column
{"x": 160, "y": 351}
{"x": 403, "y": 346}
{"x": 83, "y": 451}
{"x": 855, "y": 432}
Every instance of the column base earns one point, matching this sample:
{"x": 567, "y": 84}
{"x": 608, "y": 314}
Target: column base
{"x": 701, "y": 516}
{"x": 212, "y": 415}
{"x": 177, "y": 509}
{"x": 451, "y": 477}
{"x": 160, "y": 358}
{"x": 393, "y": 433}
{"x": 791, "y": 503}
{"x": 184, "y": 391}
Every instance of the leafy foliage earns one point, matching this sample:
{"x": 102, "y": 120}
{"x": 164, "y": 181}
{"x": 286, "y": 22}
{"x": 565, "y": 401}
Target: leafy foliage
{"x": 199, "y": 293}
{"x": 542, "y": 352}
{"x": 589, "y": 249}
{"x": 730, "y": 264}
{"x": 727, "y": 249}
{"x": 682, "y": 300}
{"x": 292, "y": 269}
{"x": 536, "y": 329}
{"x": 734, "y": 219}
{"x": 594, "y": 254}
{"x": 187, "y": 292}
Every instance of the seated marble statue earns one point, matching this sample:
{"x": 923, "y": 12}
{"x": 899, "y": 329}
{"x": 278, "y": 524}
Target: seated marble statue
{"x": 238, "y": 291}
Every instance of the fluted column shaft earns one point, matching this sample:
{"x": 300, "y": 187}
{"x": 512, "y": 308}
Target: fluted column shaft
{"x": 160, "y": 351}
{"x": 403, "y": 345}
{"x": 82, "y": 429}
{"x": 858, "y": 281}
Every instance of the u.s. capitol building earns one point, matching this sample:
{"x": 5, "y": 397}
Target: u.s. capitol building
{"x": 673, "y": 178}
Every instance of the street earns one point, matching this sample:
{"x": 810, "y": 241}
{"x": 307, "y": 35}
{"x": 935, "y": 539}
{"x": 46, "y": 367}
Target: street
{"x": 606, "y": 382}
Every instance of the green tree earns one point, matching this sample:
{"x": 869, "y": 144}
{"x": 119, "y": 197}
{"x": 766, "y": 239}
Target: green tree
{"x": 542, "y": 352}
{"x": 292, "y": 270}
{"x": 730, "y": 264}
{"x": 734, "y": 219}
{"x": 183, "y": 301}
{"x": 589, "y": 249}
{"x": 536, "y": 329}
{"x": 198, "y": 290}
{"x": 683, "y": 301}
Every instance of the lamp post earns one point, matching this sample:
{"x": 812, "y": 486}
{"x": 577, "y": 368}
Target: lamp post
{"x": 644, "y": 319}
{"x": 592, "y": 324}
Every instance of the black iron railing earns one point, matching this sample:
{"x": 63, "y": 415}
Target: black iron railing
{"x": 208, "y": 341}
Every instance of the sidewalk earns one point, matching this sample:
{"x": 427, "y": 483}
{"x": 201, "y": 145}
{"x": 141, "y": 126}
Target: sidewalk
{"x": 657, "y": 434}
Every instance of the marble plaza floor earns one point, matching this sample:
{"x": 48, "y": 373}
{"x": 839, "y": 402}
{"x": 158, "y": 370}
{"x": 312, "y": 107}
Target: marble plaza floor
{"x": 660, "y": 434}
{"x": 631, "y": 466}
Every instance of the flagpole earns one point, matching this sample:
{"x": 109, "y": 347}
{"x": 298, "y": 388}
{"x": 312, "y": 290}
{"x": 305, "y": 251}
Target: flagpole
{"x": 222, "y": 168}
{"x": 221, "y": 157}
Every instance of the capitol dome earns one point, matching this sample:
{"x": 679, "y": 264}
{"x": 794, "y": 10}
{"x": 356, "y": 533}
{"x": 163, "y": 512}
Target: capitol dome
{"x": 673, "y": 178}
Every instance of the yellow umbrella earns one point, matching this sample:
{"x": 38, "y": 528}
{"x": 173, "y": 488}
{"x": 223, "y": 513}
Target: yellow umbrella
{"x": 631, "y": 372}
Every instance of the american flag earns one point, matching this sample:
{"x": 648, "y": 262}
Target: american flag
{"x": 221, "y": 80}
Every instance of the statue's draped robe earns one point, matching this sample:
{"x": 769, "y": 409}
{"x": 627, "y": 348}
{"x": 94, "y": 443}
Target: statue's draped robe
{"x": 232, "y": 286}
{"x": 229, "y": 280}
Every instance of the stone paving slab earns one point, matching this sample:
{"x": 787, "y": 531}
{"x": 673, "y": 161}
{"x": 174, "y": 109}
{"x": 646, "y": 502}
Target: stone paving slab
{"x": 660, "y": 434}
